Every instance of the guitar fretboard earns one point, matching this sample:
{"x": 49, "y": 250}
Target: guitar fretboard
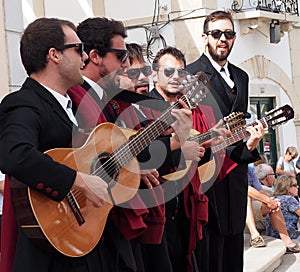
{"x": 237, "y": 136}
{"x": 203, "y": 137}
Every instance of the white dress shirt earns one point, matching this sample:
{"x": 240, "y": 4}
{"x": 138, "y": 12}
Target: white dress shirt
{"x": 65, "y": 102}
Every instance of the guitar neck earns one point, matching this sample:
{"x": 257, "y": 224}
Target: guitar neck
{"x": 237, "y": 136}
{"x": 143, "y": 138}
{"x": 203, "y": 137}
{"x": 233, "y": 124}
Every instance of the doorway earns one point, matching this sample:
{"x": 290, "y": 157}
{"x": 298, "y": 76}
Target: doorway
{"x": 258, "y": 107}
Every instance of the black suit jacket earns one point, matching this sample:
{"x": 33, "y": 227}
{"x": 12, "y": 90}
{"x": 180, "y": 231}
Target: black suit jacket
{"x": 228, "y": 198}
{"x": 31, "y": 122}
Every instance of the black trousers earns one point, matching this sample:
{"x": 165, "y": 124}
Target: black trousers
{"x": 217, "y": 252}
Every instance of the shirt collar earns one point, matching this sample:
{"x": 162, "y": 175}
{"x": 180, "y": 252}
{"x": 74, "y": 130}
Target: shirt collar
{"x": 63, "y": 100}
{"x": 217, "y": 66}
{"x": 95, "y": 86}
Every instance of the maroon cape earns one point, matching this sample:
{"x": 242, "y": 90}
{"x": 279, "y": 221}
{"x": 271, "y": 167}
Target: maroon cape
{"x": 195, "y": 202}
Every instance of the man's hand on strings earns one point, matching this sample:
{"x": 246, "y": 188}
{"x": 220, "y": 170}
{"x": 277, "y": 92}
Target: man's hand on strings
{"x": 192, "y": 151}
{"x": 222, "y": 133}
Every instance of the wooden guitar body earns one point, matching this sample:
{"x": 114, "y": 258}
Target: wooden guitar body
{"x": 55, "y": 221}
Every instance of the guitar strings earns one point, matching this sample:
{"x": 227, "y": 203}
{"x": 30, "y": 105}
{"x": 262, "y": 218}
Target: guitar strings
{"x": 236, "y": 136}
{"x": 108, "y": 166}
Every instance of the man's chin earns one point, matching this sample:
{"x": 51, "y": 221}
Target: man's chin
{"x": 142, "y": 89}
{"x": 172, "y": 93}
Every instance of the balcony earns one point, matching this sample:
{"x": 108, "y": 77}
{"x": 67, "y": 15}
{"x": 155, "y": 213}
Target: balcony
{"x": 270, "y": 17}
{"x": 275, "y": 6}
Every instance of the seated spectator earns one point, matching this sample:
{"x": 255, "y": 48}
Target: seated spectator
{"x": 266, "y": 177}
{"x": 298, "y": 174}
{"x": 285, "y": 164}
{"x": 264, "y": 204}
{"x": 255, "y": 221}
{"x": 255, "y": 238}
{"x": 286, "y": 189}
{"x": 263, "y": 159}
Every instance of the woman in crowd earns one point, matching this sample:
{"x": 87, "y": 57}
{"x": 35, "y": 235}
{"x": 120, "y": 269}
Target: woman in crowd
{"x": 286, "y": 189}
{"x": 285, "y": 164}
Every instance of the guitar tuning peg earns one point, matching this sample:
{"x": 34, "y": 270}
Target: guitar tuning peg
{"x": 189, "y": 77}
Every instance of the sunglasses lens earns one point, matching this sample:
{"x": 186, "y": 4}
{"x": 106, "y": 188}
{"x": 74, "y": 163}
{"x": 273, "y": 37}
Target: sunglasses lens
{"x": 133, "y": 73}
{"x": 146, "y": 70}
{"x": 122, "y": 56}
{"x": 229, "y": 34}
{"x": 169, "y": 71}
{"x": 216, "y": 34}
{"x": 181, "y": 72}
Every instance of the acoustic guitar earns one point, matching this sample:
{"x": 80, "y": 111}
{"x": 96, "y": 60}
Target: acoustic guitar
{"x": 207, "y": 171}
{"x": 233, "y": 122}
{"x": 74, "y": 226}
{"x": 272, "y": 119}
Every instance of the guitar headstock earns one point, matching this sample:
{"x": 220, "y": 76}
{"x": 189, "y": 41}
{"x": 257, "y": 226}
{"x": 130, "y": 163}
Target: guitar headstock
{"x": 235, "y": 121}
{"x": 194, "y": 89}
{"x": 279, "y": 116}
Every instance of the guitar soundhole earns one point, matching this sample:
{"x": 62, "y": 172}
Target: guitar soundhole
{"x": 106, "y": 168}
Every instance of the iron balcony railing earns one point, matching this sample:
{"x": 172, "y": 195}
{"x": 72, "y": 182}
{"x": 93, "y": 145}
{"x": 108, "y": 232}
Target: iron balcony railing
{"x": 277, "y": 6}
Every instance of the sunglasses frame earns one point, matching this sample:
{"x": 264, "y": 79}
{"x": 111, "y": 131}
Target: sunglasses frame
{"x": 275, "y": 176}
{"x": 80, "y": 47}
{"x": 181, "y": 72}
{"x": 217, "y": 33}
{"x": 119, "y": 51}
{"x": 145, "y": 70}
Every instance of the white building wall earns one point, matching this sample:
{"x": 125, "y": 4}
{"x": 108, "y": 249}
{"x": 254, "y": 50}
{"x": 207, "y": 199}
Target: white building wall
{"x": 14, "y": 29}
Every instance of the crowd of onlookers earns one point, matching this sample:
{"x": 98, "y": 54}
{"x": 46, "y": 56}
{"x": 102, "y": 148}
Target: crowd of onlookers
{"x": 273, "y": 200}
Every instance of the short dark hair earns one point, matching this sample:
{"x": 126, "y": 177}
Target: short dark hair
{"x": 171, "y": 51}
{"x": 97, "y": 33}
{"x": 135, "y": 51}
{"x": 38, "y": 38}
{"x": 215, "y": 16}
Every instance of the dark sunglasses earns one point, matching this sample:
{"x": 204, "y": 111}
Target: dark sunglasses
{"x": 295, "y": 185}
{"x": 217, "y": 33}
{"x": 79, "y": 46}
{"x": 169, "y": 71}
{"x": 293, "y": 156}
{"x": 121, "y": 54}
{"x": 271, "y": 175}
{"x": 134, "y": 73}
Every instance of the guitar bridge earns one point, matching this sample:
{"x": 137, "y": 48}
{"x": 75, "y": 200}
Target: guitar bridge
{"x": 75, "y": 208}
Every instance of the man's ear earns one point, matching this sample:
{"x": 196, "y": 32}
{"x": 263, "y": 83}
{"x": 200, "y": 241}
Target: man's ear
{"x": 94, "y": 57}
{"x": 204, "y": 38}
{"x": 154, "y": 76}
{"x": 53, "y": 55}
